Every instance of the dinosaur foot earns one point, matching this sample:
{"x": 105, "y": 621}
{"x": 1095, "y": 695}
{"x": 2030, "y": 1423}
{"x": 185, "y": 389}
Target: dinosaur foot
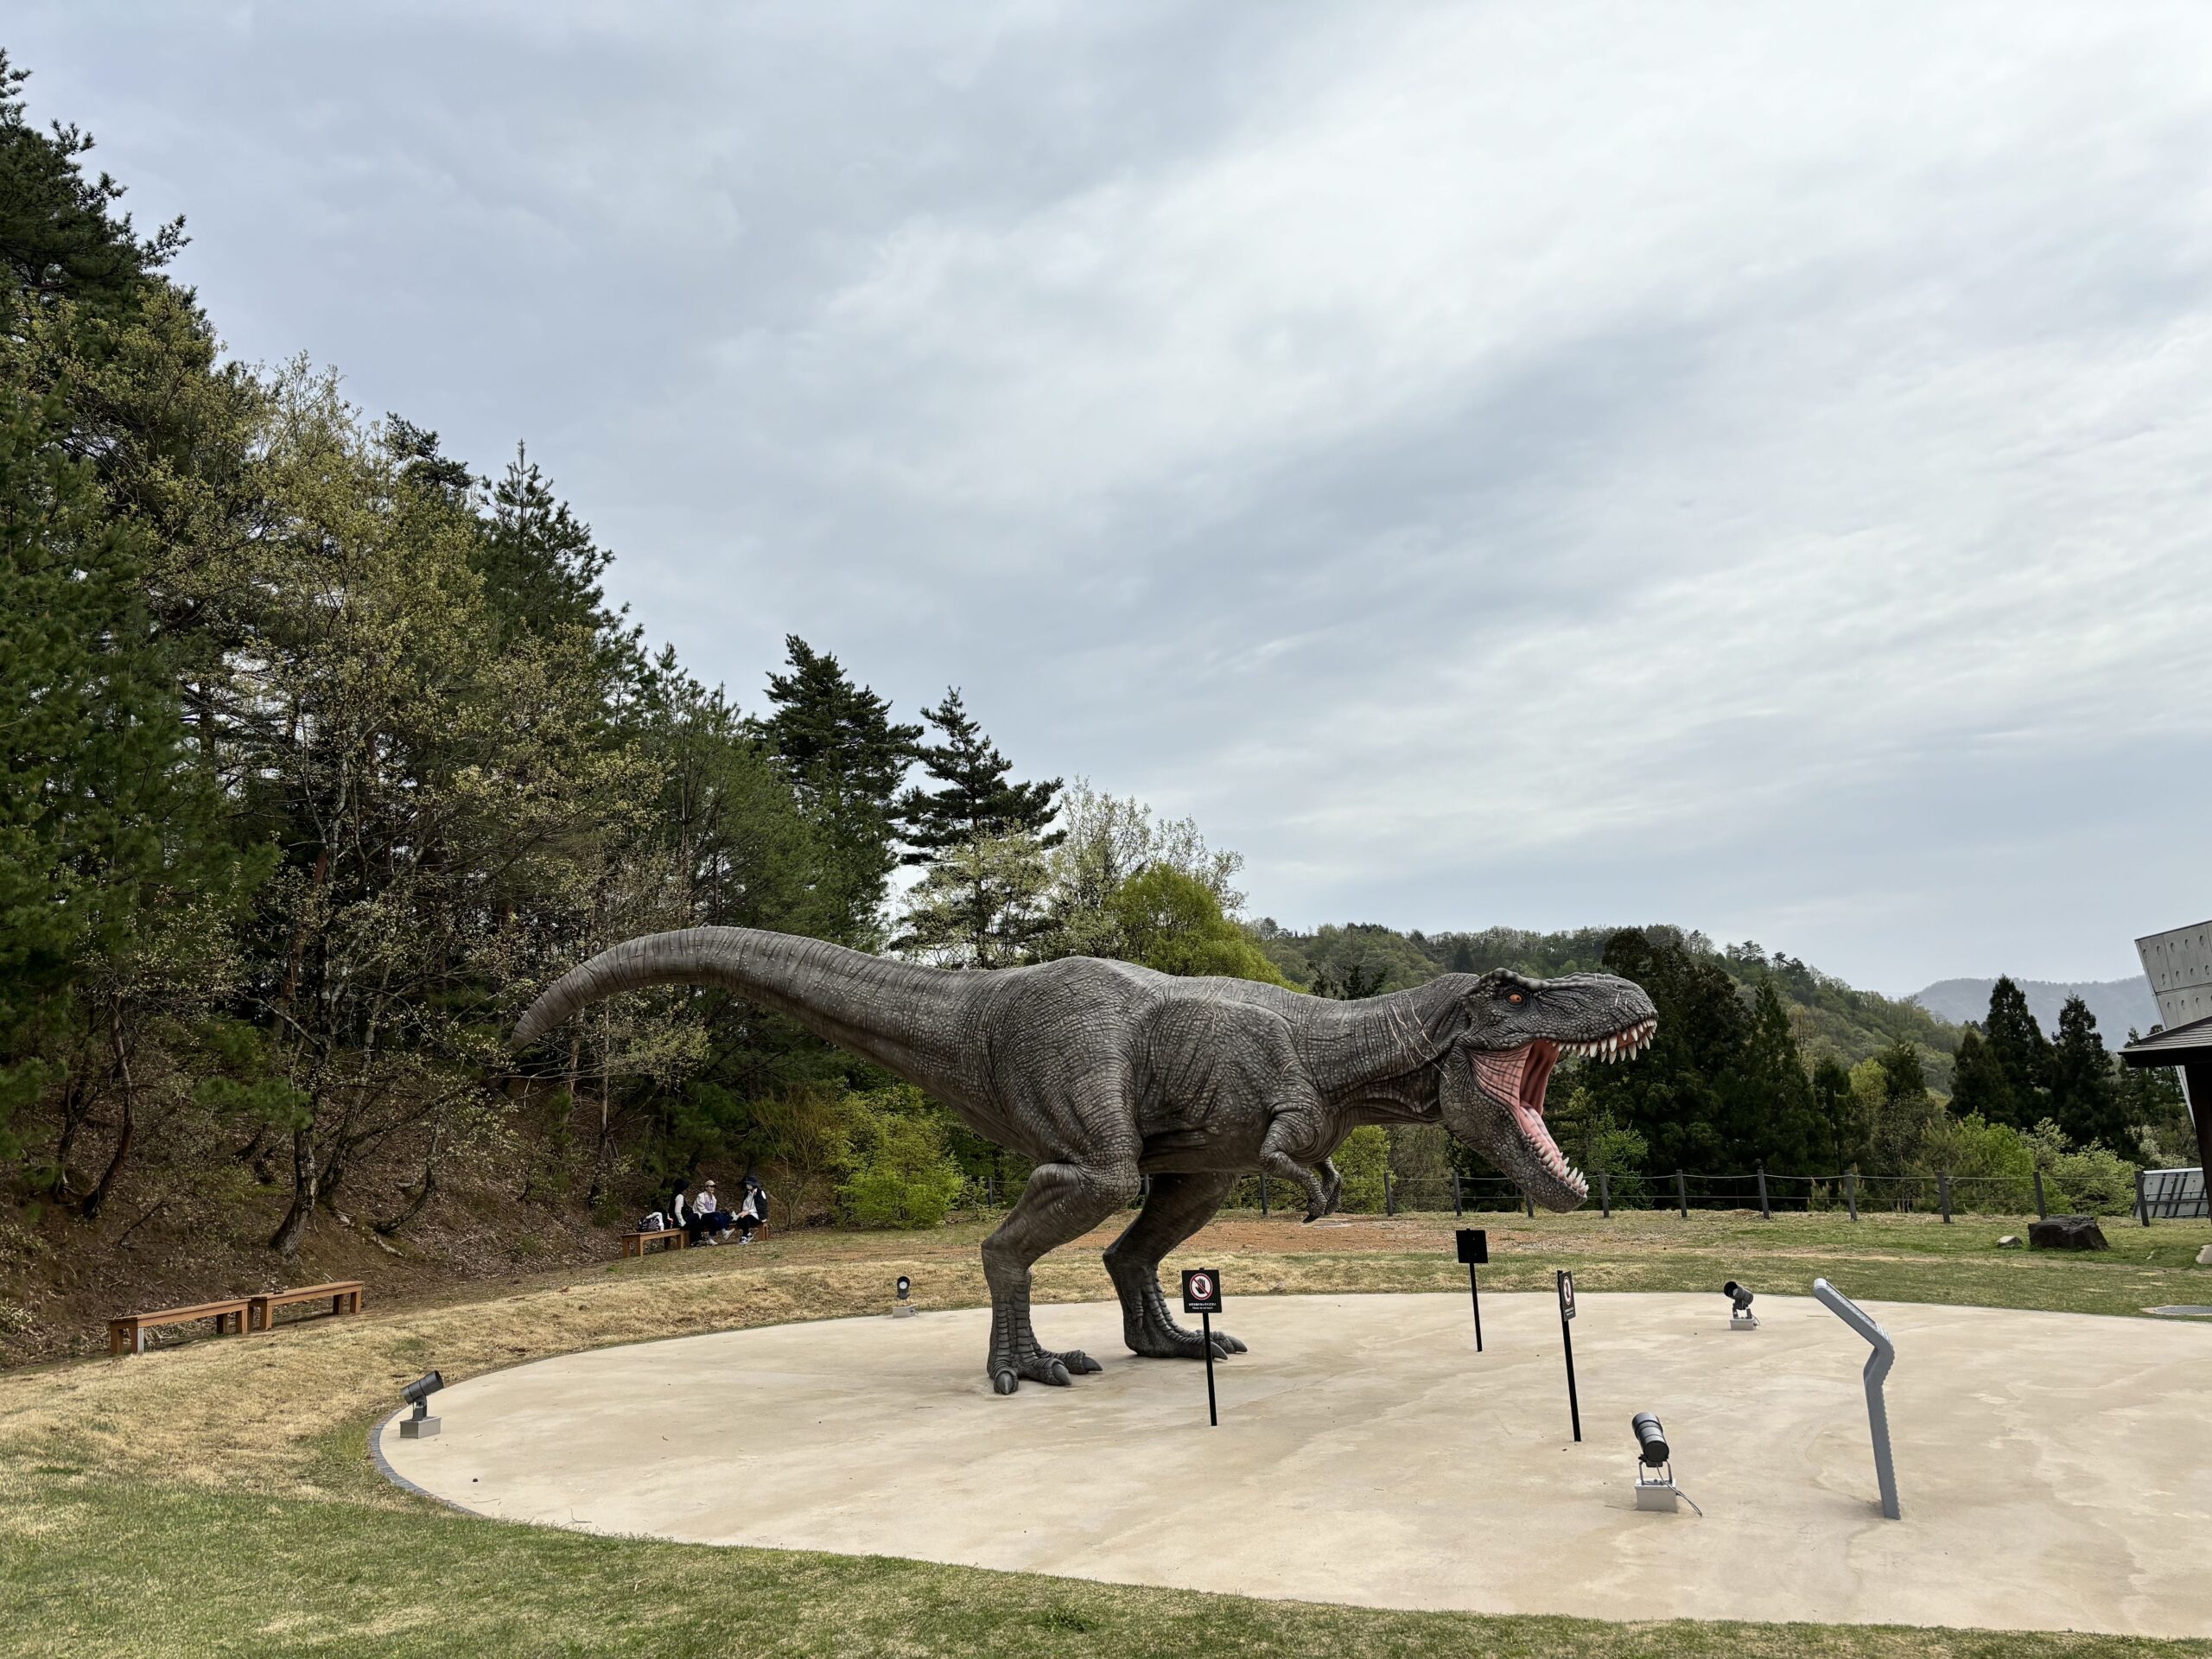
{"x": 1054, "y": 1371}
{"x": 1175, "y": 1342}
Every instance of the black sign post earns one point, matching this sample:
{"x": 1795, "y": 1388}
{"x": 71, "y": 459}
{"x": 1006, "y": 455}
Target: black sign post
{"x": 1474, "y": 1250}
{"x": 1567, "y": 1340}
{"x": 1202, "y": 1296}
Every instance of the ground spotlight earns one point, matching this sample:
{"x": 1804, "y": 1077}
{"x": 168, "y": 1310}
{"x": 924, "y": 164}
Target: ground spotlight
{"x": 418, "y": 1393}
{"x": 902, "y": 1308}
{"x": 1654, "y": 1470}
{"x": 1740, "y": 1317}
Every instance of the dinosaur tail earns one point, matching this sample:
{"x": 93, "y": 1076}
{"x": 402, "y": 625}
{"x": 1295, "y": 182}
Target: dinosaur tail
{"x": 904, "y": 1017}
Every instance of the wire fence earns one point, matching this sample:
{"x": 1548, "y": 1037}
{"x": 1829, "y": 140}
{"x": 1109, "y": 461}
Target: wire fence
{"x": 2160, "y": 1194}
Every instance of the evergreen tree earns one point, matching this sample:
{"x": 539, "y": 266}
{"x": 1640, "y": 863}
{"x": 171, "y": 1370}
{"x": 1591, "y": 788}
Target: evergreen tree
{"x": 1907, "y": 1112}
{"x": 846, "y": 757}
{"x": 2158, "y": 1113}
{"x": 1842, "y": 1131}
{"x": 2022, "y": 1052}
{"x": 976, "y": 803}
{"x": 61, "y": 236}
{"x": 1671, "y": 1095}
{"x": 2085, "y": 1097}
{"x": 1979, "y": 1086}
{"x": 540, "y": 565}
{"x": 1776, "y": 1112}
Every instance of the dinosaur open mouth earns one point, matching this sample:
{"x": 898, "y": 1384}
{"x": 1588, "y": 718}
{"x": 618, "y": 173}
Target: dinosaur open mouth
{"x": 1517, "y": 1078}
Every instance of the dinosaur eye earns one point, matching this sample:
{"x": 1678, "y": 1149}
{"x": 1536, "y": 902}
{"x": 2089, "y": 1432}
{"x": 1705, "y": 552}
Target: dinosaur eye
{"x": 1516, "y": 998}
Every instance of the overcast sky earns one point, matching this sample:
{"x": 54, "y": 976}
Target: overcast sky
{"x": 1738, "y": 465}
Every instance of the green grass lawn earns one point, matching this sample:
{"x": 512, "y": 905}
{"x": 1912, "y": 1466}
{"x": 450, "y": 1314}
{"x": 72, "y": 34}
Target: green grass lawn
{"x": 218, "y": 1499}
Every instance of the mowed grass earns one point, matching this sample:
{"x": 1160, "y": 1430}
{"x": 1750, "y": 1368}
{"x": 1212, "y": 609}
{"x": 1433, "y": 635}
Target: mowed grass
{"x": 218, "y": 1498}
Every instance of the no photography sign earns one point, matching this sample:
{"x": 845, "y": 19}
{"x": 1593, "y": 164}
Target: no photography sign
{"x": 1201, "y": 1291}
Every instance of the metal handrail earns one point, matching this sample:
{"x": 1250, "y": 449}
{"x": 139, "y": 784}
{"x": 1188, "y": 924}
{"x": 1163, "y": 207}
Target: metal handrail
{"x": 1877, "y": 1367}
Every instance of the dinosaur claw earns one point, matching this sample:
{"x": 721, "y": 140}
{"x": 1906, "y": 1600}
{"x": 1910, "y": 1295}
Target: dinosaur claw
{"x": 1080, "y": 1363}
{"x": 1056, "y": 1375}
{"x": 1005, "y": 1381}
{"x": 1227, "y": 1343}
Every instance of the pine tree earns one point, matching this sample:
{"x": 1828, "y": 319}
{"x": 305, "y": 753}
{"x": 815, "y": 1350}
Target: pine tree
{"x": 2022, "y": 1052}
{"x": 2085, "y": 1098}
{"x": 976, "y": 803}
{"x": 1979, "y": 1087}
{"x": 846, "y": 757}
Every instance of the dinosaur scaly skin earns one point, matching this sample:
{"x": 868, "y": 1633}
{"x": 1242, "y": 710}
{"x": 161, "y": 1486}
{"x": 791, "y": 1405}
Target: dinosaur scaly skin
{"x": 1103, "y": 1072}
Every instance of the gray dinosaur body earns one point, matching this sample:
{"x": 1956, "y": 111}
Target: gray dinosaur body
{"x": 1104, "y": 1072}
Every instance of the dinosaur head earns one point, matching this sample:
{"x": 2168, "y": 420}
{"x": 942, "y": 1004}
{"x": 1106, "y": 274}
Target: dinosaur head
{"x": 1505, "y": 1035}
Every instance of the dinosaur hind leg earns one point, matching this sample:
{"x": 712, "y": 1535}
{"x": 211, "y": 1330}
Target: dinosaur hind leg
{"x": 1061, "y": 1202}
{"x": 1179, "y": 1206}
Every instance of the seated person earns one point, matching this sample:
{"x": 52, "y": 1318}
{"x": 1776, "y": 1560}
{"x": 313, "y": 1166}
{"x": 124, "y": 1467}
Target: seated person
{"x": 752, "y": 1209}
{"x": 709, "y": 1219}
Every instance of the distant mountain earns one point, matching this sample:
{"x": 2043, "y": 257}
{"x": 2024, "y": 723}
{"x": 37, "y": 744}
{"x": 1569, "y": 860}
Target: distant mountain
{"x": 2118, "y": 1004}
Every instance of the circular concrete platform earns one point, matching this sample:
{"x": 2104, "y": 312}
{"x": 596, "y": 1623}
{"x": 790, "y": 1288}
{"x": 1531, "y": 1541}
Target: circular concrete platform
{"x": 2056, "y": 1470}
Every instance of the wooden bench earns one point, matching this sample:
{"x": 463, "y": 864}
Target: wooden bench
{"x": 344, "y": 1296}
{"x": 636, "y": 1243}
{"x": 128, "y": 1334}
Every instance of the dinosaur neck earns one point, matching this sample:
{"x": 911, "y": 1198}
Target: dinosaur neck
{"x": 904, "y": 1018}
{"x": 1378, "y": 1049}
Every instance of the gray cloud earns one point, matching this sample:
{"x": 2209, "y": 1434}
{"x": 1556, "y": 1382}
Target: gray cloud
{"x": 1490, "y": 465}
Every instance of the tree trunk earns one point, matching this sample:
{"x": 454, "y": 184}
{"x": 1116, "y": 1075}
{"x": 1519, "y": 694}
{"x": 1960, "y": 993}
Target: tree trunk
{"x": 285, "y": 1241}
{"x": 127, "y": 1131}
{"x": 424, "y": 1189}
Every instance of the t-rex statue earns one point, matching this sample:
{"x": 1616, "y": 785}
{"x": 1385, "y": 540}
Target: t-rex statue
{"x": 1103, "y": 1072}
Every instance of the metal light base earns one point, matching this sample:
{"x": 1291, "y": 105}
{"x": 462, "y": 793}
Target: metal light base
{"x": 1743, "y": 1321}
{"x": 417, "y": 1428}
{"x": 1658, "y": 1495}
{"x": 902, "y": 1310}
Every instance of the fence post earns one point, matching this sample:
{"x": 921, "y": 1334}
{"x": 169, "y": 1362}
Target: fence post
{"x": 1389, "y": 1197}
{"x": 991, "y": 1190}
{"x": 1682, "y": 1195}
{"x": 1765, "y": 1214}
{"x": 2042, "y": 1211}
{"x": 1527, "y": 1204}
{"x": 1943, "y": 1193}
{"x": 1263, "y": 1195}
{"x": 1605, "y": 1197}
{"x": 2142, "y": 1205}
{"x": 1458, "y": 1208}
{"x": 1851, "y": 1192}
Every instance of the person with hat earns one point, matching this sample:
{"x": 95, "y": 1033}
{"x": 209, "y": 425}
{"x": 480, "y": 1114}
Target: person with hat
{"x": 752, "y": 1209}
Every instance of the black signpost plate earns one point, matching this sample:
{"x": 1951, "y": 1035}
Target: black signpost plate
{"x": 1474, "y": 1247}
{"x": 1201, "y": 1291}
{"x": 1565, "y": 1294}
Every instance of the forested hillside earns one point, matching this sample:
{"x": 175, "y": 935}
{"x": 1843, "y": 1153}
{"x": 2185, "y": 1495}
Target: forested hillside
{"x": 1830, "y": 1020}
{"x": 326, "y": 751}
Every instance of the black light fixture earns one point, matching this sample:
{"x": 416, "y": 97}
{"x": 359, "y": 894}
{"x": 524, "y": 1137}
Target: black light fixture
{"x": 905, "y": 1287}
{"x": 1655, "y": 1472}
{"x": 1740, "y": 1317}
{"x": 418, "y": 1393}
{"x": 901, "y": 1308}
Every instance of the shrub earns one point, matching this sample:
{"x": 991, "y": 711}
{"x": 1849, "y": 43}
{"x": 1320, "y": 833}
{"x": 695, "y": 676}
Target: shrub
{"x": 904, "y": 1175}
{"x": 1992, "y": 1166}
{"x": 1362, "y": 1158}
{"x": 2091, "y": 1180}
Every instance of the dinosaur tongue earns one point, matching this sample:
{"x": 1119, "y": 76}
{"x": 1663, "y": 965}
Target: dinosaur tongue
{"x": 1519, "y": 1077}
